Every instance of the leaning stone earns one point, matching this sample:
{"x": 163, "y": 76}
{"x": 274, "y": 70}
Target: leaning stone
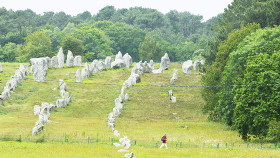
{"x": 70, "y": 59}
{"x": 187, "y": 67}
{"x": 78, "y": 76}
{"x": 60, "y": 57}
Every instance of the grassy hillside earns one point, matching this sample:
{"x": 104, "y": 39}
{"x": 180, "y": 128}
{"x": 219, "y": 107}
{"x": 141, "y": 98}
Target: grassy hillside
{"x": 146, "y": 117}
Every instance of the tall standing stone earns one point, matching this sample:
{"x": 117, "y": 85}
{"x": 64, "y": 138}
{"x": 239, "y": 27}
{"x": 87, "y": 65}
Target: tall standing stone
{"x": 108, "y": 61}
{"x": 165, "y": 62}
{"x": 78, "y": 61}
{"x": 70, "y": 59}
{"x": 60, "y": 57}
{"x": 78, "y": 76}
{"x": 127, "y": 60}
{"x": 40, "y": 72}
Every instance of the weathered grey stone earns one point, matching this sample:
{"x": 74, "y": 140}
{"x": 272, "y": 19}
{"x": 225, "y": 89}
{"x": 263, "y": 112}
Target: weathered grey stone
{"x": 54, "y": 62}
{"x": 151, "y": 64}
{"x": 170, "y": 93}
{"x": 126, "y": 97}
{"x": 129, "y": 155}
{"x": 119, "y": 62}
{"x": 108, "y": 61}
{"x": 26, "y": 69}
{"x": 146, "y": 67}
{"x": 1, "y": 67}
{"x": 37, "y": 129}
{"x": 62, "y": 85}
{"x": 51, "y": 107}
{"x": 137, "y": 69}
{"x": 60, "y": 58}
{"x": 48, "y": 60}
{"x": 39, "y": 69}
{"x": 125, "y": 142}
{"x": 196, "y": 65}
{"x": 116, "y": 133}
{"x": 78, "y": 76}
{"x": 136, "y": 78}
{"x": 165, "y": 62}
{"x": 127, "y": 60}
{"x": 174, "y": 77}
{"x": 60, "y": 103}
{"x": 187, "y": 67}
{"x": 78, "y": 61}
{"x": 37, "y": 109}
{"x": 70, "y": 59}
{"x": 93, "y": 68}
{"x": 173, "y": 99}
{"x": 160, "y": 70}
{"x": 85, "y": 73}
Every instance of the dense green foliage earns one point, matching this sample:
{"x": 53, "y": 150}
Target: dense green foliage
{"x": 241, "y": 81}
{"x": 179, "y": 34}
{"x": 73, "y": 44}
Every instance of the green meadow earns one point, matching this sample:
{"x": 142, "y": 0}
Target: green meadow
{"x": 147, "y": 116}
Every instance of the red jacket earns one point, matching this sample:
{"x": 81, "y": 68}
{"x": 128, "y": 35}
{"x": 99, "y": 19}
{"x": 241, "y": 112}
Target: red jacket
{"x": 164, "y": 139}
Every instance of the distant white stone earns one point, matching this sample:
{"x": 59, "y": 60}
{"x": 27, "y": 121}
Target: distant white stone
{"x": 116, "y": 133}
{"x": 37, "y": 109}
{"x": 70, "y": 59}
{"x": 78, "y": 61}
{"x": 85, "y": 73}
{"x": 160, "y": 70}
{"x": 165, "y": 62}
{"x": 151, "y": 64}
{"x": 129, "y": 155}
{"x": 39, "y": 69}
{"x": 108, "y": 61}
{"x": 60, "y": 57}
{"x": 119, "y": 62}
{"x": 127, "y": 60}
{"x": 170, "y": 93}
{"x": 78, "y": 76}
{"x": 196, "y": 65}
{"x": 54, "y": 62}
{"x": 60, "y": 103}
{"x": 187, "y": 67}
{"x": 126, "y": 97}
{"x": 174, "y": 77}
{"x": 173, "y": 99}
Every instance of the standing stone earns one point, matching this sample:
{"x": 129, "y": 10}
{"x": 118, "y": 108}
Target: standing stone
{"x": 108, "y": 61}
{"x": 187, "y": 67}
{"x": 26, "y": 69}
{"x": 119, "y": 62}
{"x": 48, "y": 60}
{"x": 39, "y": 73}
{"x": 126, "y": 97}
{"x": 196, "y": 65}
{"x": 78, "y": 76}
{"x": 1, "y": 67}
{"x": 127, "y": 60}
{"x": 54, "y": 62}
{"x": 78, "y": 61}
{"x": 85, "y": 73}
{"x": 165, "y": 62}
{"x": 174, "y": 77}
{"x": 152, "y": 64}
{"x": 70, "y": 59}
{"x": 60, "y": 57}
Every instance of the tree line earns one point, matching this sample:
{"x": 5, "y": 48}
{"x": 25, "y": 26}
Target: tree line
{"x": 144, "y": 33}
{"x": 242, "y": 79}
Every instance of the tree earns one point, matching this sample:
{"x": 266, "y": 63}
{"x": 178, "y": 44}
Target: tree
{"x": 9, "y": 52}
{"x": 149, "y": 49}
{"x": 106, "y": 13}
{"x": 73, "y": 44}
{"x": 95, "y": 41}
{"x": 36, "y": 45}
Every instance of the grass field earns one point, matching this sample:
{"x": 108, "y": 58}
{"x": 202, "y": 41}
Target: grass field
{"x": 146, "y": 116}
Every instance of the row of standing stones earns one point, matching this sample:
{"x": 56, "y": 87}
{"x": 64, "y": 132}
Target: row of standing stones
{"x": 44, "y": 110}
{"x": 134, "y": 78}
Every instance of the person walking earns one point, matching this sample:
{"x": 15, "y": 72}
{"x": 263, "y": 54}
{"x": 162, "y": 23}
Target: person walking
{"x": 164, "y": 139}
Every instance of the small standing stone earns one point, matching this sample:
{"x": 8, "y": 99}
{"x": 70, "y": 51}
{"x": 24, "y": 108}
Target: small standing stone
{"x": 70, "y": 59}
{"x": 78, "y": 76}
{"x": 60, "y": 57}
